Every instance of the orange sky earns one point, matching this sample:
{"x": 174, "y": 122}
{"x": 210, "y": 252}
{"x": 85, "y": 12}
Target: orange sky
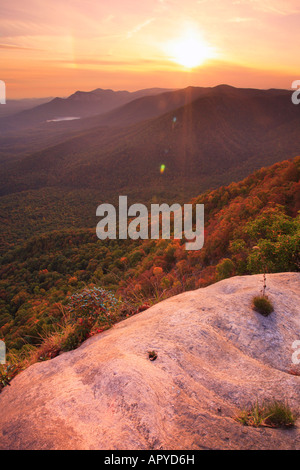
{"x": 55, "y": 47}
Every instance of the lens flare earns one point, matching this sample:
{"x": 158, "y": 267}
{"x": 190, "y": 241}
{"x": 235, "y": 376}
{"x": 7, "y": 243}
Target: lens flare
{"x": 162, "y": 168}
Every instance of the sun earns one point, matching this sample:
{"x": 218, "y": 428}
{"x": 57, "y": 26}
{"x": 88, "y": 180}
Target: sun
{"x": 190, "y": 50}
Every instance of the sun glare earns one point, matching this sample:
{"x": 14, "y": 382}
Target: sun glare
{"x": 189, "y": 50}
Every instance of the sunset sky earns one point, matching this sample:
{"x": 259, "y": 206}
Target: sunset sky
{"x": 55, "y": 47}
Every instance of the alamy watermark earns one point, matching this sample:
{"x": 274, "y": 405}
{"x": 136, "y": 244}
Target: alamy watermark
{"x": 2, "y": 352}
{"x": 296, "y": 354}
{"x": 296, "y": 94}
{"x": 2, "y": 92}
{"x": 140, "y": 228}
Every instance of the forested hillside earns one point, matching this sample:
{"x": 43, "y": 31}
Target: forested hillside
{"x": 250, "y": 227}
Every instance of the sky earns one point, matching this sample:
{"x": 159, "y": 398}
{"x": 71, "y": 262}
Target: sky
{"x": 55, "y": 47}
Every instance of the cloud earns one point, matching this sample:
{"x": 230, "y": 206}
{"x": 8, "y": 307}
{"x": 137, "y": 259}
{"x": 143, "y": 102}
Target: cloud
{"x": 277, "y": 7}
{"x": 240, "y": 20}
{"x": 139, "y": 27}
{"x": 16, "y": 47}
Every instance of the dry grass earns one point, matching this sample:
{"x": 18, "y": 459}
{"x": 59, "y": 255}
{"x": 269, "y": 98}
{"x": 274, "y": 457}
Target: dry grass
{"x": 274, "y": 414}
{"x": 51, "y": 346}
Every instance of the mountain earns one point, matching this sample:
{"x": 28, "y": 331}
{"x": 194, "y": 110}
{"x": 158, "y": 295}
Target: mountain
{"x": 29, "y": 134}
{"x": 146, "y": 107}
{"x": 78, "y": 105}
{"x": 22, "y": 133}
{"x": 215, "y": 357}
{"x": 25, "y": 134}
{"x": 16, "y": 106}
{"x": 153, "y": 106}
{"x": 217, "y": 138}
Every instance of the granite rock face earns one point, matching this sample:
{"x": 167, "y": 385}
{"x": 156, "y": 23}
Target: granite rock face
{"x": 214, "y": 356}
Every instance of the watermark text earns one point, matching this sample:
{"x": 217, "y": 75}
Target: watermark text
{"x": 2, "y": 92}
{"x": 296, "y": 94}
{"x": 2, "y": 352}
{"x": 188, "y": 222}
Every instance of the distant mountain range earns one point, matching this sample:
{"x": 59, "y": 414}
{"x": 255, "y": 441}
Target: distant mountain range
{"x": 80, "y": 104}
{"x": 16, "y": 106}
{"x": 205, "y": 137}
{"x": 27, "y": 126}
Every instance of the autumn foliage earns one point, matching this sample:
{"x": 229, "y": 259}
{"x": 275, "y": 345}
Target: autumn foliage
{"x": 70, "y": 273}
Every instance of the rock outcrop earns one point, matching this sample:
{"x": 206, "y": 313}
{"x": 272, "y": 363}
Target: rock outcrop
{"x": 214, "y": 356}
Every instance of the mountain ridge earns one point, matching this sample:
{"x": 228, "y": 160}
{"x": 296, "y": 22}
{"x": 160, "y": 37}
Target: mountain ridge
{"x": 78, "y": 104}
{"x": 224, "y": 132}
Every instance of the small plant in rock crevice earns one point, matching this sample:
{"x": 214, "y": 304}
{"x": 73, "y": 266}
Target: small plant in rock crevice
{"x": 274, "y": 414}
{"x": 7, "y": 373}
{"x": 262, "y": 305}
